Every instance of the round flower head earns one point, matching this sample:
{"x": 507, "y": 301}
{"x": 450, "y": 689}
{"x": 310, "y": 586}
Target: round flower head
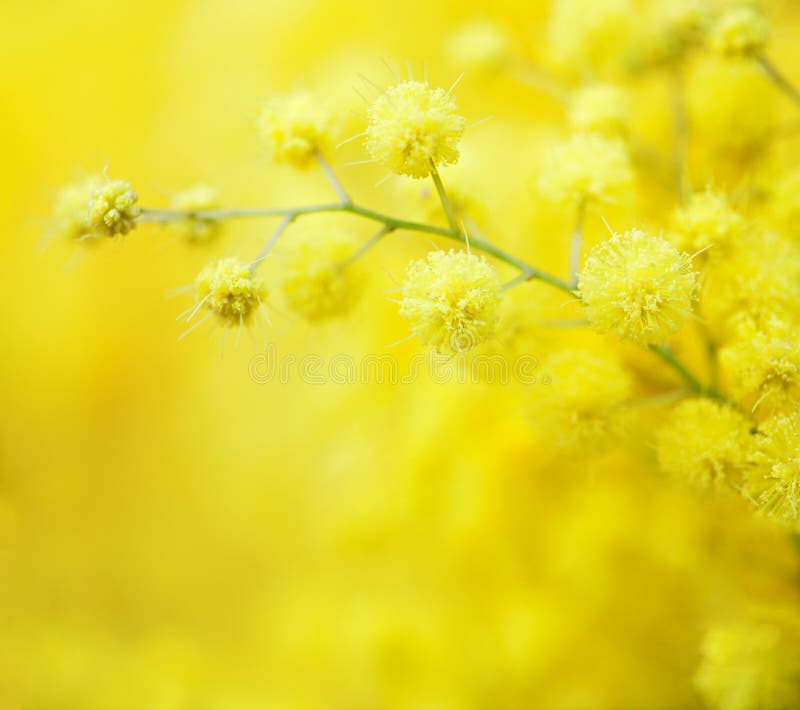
{"x": 412, "y": 127}
{"x": 600, "y": 108}
{"x": 70, "y": 211}
{"x": 580, "y": 407}
{"x": 294, "y": 127}
{"x": 751, "y": 665}
{"x": 483, "y": 46}
{"x": 196, "y": 230}
{"x": 704, "y": 444}
{"x": 637, "y": 286}
{"x": 451, "y": 300}
{"x": 230, "y": 290}
{"x": 774, "y": 483}
{"x": 707, "y": 220}
{"x": 316, "y": 284}
{"x": 586, "y": 167}
{"x": 762, "y": 368}
{"x": 680, "y": 25}
{"x": 741, "y": 30}
{"x": 113, "y": 209}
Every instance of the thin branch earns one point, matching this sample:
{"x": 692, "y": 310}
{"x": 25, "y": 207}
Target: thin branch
{"x": 366, "y": 246}
{"x": 444, "y": 199}
{"x": 285, "y": 222}
{"x": 331, "y": 176}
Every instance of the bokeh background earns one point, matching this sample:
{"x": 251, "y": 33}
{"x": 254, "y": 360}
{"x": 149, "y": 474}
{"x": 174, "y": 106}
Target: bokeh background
{"x": 174, "y": 536}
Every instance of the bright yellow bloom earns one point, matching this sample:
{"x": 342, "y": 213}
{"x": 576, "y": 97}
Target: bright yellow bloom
{"x": 704, "y": 443}
{"x": 740, "y": 30}
{"x": 637, "y": 286}
{"x": 230, "y": 290}
{"x": 707, "y": 220}
{"x": 412, "y": 127}
{"x": 587, "y": 168}
{"x": 113, "y": 209}
{"x": 71, "y": 209}
{"x": 315, "y": 283}
{"x": 451, "y": 300}
{"x": 762, "y": 368}
{"x": 482, "y": 46}
{"x": 600, "y": 108}
{"x": 294, "y": 127}
{"x": 774, "y": 484}
{"x": 196, "y": 230}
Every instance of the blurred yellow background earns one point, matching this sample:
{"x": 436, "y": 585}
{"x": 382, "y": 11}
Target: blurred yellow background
{"x": 175, "y": 536}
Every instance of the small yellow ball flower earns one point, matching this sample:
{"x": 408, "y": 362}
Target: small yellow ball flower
{"x": 707, "y": 220}
{"x": 230, "y": 290}
{"x": 751, "y": 665}
{"x": 762, "y": 368}
{"x": 412, "y": 127}
{"x": 588, "y": 168}
{"x": 113, "y": 209}
{"x": 196, "y": 230}
{"x": 451, "y": 300}
{"x": 680, "y": 25}
{"x": 580, "y": 406}
{"x": 315, "y": 284}
{"x": 774, "y": 483}
{"x": 704, "y": 444}
{"x": 294, "y": 127}
{"x": 739, "y": 31}
{"x": 71, "y": 209}
{"x": 482, "y": 46}
{"x": 600, "y": 108}
{"x": 637, "y": 286}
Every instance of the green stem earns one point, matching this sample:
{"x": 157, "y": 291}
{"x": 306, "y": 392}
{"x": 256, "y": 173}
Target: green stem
{"x": 443, "y": 198}
{"x": 366, "y": 246}
{"x": 670, "y": 359}
{"x": 777, "y": 78}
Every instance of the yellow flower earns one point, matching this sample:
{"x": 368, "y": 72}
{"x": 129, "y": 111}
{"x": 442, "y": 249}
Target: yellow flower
{"x": 707, "y": 220}
{"x": 762, "y": 368}
{"x": 637, "y": 286}
{"x": 451, "y": 300}
{"x": 483, "y": 46}
{"x": 113, "y": 209}
{"x": 740, "y": 30}
{"x": 412, "y": 127}
{"x": 230, "y": 290}
{"x": 294, "y": 127}
{"x": 600, "y": 108}
{"x": 774, "y": 484}
{"x": 71, "y": 209}
{"x": 196, "y": 230}
{"x": 315, "y": 283}
{"x": 586, "y": 167}
{"x": 704, "y": 443}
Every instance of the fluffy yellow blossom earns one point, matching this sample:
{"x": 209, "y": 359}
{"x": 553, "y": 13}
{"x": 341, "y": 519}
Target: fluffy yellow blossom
{"x": 583, "y": 33}
{"x": 315, "y": 283}
{"x": 412, "y": 127}
{"x": 638, "y": 286}
{"x": 113, "y": 209}
{"x": 588, "y": 168}
{"x": 196, "y": 230}
{"x": 230, "y": 290}
{"x": 451, "y": 300}
{"x": 707, "y": 220}
{"x": 740, "y": 30}
{"x": 71, "y": 209}
{"x": 751, "y": 665}
{"x": 294, "y": 127}
{"x": 704, "y": 443}
{"x": 762, "y": 368}
{"x": 600, "y": 108}
{"x": 774, "y": 483}
{"x": 581, "y": 403}
{"x": 679, "y": 25}
{"x": 482, "y": 46}
{"x": 754, "y": 284}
